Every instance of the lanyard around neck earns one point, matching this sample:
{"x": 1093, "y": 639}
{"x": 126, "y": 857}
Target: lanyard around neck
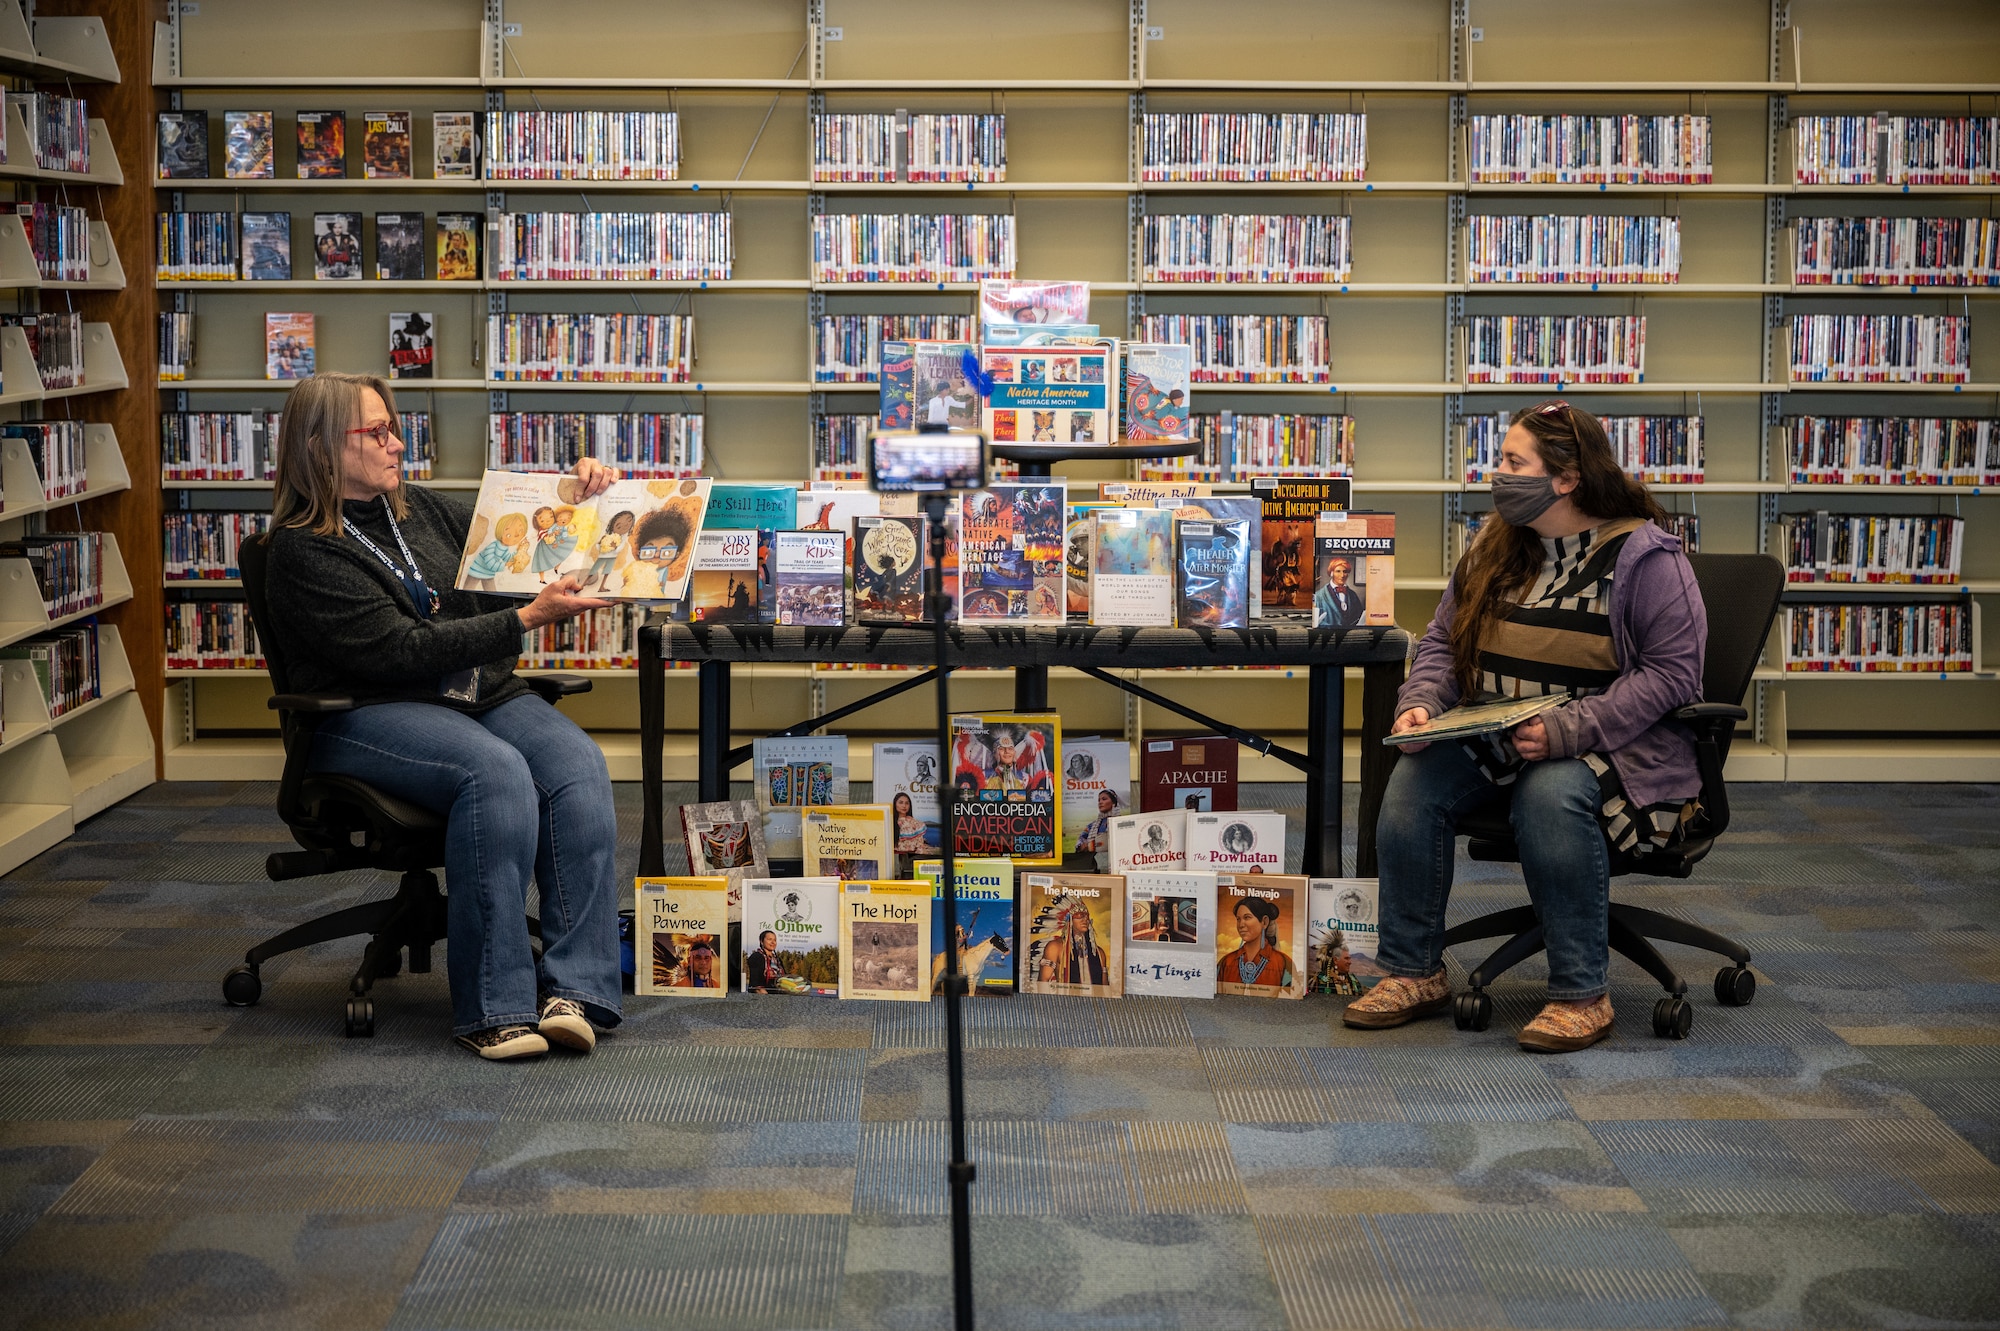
{"x": 421, "y": 594}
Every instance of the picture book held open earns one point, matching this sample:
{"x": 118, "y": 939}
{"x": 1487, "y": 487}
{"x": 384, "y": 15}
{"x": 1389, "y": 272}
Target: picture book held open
{"x": 633, "y": 542}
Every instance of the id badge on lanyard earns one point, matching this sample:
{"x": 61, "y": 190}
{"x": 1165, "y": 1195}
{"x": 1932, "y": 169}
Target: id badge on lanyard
{"x": 459, "y": 685}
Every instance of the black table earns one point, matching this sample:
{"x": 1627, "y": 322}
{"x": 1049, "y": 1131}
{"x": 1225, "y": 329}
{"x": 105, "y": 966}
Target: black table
{"x": 1029, "y": 652}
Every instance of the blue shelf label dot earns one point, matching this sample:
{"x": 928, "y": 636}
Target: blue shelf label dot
{"x": 695, "y": 186}
{"x": 1370, "y": 189}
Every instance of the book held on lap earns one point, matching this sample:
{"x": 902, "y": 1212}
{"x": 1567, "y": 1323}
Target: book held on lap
{"x": 680, "y": 928}
{"x": 1260, "y": 938}
{"x": 791, "y": 936}
{"x": 529, "y": 529}
{"x": 1170, "y": 934}
{"x": 1478, "y": 718}
{"x": 1074, "y": 935}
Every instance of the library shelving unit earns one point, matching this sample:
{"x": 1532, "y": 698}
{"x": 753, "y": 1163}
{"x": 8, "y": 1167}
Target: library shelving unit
{"x": 1074, "y": 78}
{"x": 56, "y": 771}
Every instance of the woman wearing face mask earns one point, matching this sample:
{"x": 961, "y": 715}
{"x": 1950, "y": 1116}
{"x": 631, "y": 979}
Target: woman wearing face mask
{"x": 1569, "y": 587}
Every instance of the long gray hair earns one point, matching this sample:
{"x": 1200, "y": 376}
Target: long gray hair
{"x": 312, "y": 444}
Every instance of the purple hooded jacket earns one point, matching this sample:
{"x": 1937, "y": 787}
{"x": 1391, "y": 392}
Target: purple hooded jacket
{"x": 1659, "y": 634}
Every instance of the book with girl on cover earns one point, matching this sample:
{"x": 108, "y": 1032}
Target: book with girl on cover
{"x": 531, "y": 528}
{"x": 1260, "y": 944}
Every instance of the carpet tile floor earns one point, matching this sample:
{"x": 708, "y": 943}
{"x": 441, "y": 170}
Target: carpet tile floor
{"x": 1828, "y": 1157}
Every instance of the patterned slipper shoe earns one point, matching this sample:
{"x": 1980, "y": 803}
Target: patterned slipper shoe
{"x": 1397, "y": 999}
{"x": 1562, "y": 1028}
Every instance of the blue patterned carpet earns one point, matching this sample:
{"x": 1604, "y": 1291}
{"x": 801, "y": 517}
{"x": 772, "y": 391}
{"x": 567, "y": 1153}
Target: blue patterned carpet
{"x": 1828, "y": 1157}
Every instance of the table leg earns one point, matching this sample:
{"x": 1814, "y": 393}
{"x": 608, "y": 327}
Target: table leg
{"x": 1031, "y": 688}
{"x": 1379, "y": 685}
{"x": 1325, "y": 704}
{"x": 712, "y": 745}
{"x": 652, "y": 739}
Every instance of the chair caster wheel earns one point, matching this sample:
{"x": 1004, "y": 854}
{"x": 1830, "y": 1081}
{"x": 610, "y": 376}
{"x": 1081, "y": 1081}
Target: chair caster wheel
{"x": 1673, "y": 1018}
{"x": 361, "y": 1017}
{"x": 242, "y": 987}
{"x": 1735, "y": 986}
{"x": 1472, "y": 1012}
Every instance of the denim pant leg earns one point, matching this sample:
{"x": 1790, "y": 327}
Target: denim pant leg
{"x": 447, "y": 762}
{"x": 576, "y": 846}
{"x": 1415, "y": 846}
{"x": 1568, "y": 869}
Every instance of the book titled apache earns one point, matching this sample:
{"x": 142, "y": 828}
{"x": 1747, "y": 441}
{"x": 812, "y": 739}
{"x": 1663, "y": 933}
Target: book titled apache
{"x": 681, "y": 926}
{"x": 986, "y": 916}
{"x": 247, "y": 152}
{"x": 1074, "y": 942}
{"x": 888, "y": 568}
{"x": 1196, "y": 773}
{"x": 1010, "y": 555}
{"x": 1354, "y": 570}
{"x": 1003, "y": 785}
{"x": 885, "y": 929}
{"x": 801, "y": 954}
{"x": 1260, "y": 938}
{"x": 1292, "y": 506}
{"x": 1170, "y": 933}
{"x": 322, "y": 145}
{"x": 412, "y": 345}
{"x": 849, "y": 841}
{"x": 385, "y": 144}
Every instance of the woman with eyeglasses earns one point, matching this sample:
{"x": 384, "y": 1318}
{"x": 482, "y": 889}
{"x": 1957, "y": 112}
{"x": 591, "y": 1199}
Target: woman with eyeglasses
{"x": 1570, "y": 587}
{"x": 359, "y": 581}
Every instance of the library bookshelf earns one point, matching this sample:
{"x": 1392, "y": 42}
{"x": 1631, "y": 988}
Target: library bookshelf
{"x": 1073, "y": 77}
{"x": 57, "y": 766}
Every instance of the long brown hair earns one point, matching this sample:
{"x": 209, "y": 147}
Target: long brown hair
{"x": 1504, "y": 559}
{"x": 312, "y": 442}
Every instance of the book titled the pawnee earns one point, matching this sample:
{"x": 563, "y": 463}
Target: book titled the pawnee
{"x": 1478, "y": 718}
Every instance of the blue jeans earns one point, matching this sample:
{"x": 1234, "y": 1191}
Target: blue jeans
{"x": 525, "y": 794}
{"x": 1563, "y": 857}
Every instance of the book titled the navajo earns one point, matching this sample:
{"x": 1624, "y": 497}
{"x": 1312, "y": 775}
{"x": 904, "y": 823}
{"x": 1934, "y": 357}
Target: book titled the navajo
{"x": 1003, "y": 781}
{"x": 885, "y": 929}
{"x": 1157, "y": 376}
{"x": 385, "y": 146}
{"x": 791, "y": 936}
{"x": 1344, "y": 934}
{"x": 288, "y": 345}
{"x": 1243, "y": 841}
{"x": 1194, "y": 772}
{"x": 908, "y": 775}
{"x": 888, "y": 567}
{"x": 1354, "y": 570}
{"x": 1292, "y": 505}
{"x": 1260, "y": 937}
{"x": 454, "y": 145}
{"x": 1212, "y": 573}
{"x": 986, "y": 922}
{"x": 247, "y": 152}
{"x": 681, "y": 926}
{"x": 1170, "y": 933}
{"x": 1097, "y": 787}
{"x": 849, "y": 841}
{"x": 1132, "y": 567}
{"x": 399, "y": 247}
{"x": 792, "y": 774}
{"x": 458, "y": 247}
{"x": 1144, "y": 842}
{"x": 267, "y": 247}
{"x": 412, "y": 345}
{"x": 1010, "y": 555}
{"x": 337, "y": 247}
{"x": 1073, "y": 942}
{"x": 1051, "y": 395}
{"x": 322, "y": 145}
{"x": 727, "y": 581}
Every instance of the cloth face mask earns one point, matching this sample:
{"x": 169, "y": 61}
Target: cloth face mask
{"x": 1522, "y": 499}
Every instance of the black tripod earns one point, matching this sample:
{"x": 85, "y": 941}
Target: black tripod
{"x": 961, "y": 1171}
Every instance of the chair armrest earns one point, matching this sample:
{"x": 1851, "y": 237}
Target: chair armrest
{"x": 1708, "y": 713}
{"x": 552, "y": 687}
{"x": 311, "y": 702}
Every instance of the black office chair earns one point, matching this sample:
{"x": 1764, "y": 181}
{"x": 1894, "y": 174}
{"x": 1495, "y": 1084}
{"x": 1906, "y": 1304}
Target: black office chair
{"x": 1740, "y": 593}
{"x": 347, "y": 824}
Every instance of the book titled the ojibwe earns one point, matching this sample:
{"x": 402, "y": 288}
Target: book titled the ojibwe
{"x": 530, "y": 529}
{"x": 885, "y": 929}
{"x": 1074, "y": 937}
{"x": 1170, "y": 934}
{"x": 681, "y": 927}
{"x": 791, "y": 936}
{"x": 1260, "y": 938}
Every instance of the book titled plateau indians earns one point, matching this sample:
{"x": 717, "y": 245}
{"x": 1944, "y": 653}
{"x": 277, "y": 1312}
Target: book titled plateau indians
{"x": 1073, "y": 940}
{"x": 1194, "y": 772}
{"x": 791, "y": 936}
{"x": 454, "y": 145}
{"x": 385, "y": 145}
{"x": 1170, "y": 933}
{"x": 247, "y": 150}
{"x": 1260, "y": 937}
{"x": 680, "y": 927}
{"x": 531, "y": 528}
{"x": 322, "y": 139}
{"x": 885, "y": 930}
{"x": 1291, "y": 508}
{"x": 848, "y": 841}
{"x": 1097, "y": 787}
{"x": 1344, "y": 934}
{"x": 793, "y": 773}
{"x": 986, "y": 922}
{"x": 412, "y": 345}
{"x": 1005, "y": 800}
{"x": 1354, "y": 570}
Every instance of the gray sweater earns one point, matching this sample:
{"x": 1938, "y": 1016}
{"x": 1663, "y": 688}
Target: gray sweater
{"x": 345, "y": 624}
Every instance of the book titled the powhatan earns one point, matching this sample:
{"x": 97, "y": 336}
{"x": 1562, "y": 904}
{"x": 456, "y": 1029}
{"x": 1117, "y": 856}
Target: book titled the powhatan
{"x": 885, "y": 929}
{"x": 1260, "y": 938}
{"x": 681, "y": 926}
{"x": 1237, "y": 842}
{"x": 986, "y": 922}
{"x": 791, "y": 936}
{"x": 530, "y": 529}
{"x": 1170, "y": 934}
{"x": 1344, "y": 933}
{"x": 1075, "y": 935}
{"x": 848, "y": 841}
